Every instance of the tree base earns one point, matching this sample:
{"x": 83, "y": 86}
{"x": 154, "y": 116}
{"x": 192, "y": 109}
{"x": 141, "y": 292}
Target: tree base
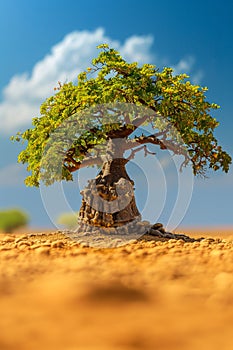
{"x": 132, "y": 229}
{"x": 106, "y": 205}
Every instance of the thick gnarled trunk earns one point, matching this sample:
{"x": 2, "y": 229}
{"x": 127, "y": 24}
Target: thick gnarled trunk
{"x": 108, "y": 200}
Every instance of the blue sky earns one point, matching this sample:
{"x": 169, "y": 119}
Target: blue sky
{"x": 46, "y": 41}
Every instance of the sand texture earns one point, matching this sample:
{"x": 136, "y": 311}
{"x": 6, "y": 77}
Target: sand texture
{"x": 150, "y": 294}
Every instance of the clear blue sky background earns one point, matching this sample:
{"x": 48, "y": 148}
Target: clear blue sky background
{"x": 193, "y": 36}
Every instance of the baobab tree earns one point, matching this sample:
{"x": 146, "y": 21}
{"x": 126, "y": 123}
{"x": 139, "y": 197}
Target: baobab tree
{"x": 100, "y": 119}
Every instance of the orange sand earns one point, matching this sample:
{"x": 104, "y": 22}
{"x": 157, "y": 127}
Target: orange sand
{"x": 57, "y": 294}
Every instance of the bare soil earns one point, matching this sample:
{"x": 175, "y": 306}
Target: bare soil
{"x": 149, "y": 294}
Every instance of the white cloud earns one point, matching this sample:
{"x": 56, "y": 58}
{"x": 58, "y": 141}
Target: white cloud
{"x": 137, "y": 48}
{"x": 185, "y": 65}
{"x": 25, "y": 92}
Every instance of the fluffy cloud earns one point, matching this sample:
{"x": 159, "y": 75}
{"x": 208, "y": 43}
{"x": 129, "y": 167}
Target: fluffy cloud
{"x": 24, "y": 93}
{"x": 186, "y": 65}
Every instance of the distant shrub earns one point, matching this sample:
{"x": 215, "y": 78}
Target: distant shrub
{"x": 12, "y": 219}
{"x": 68, "y": 220}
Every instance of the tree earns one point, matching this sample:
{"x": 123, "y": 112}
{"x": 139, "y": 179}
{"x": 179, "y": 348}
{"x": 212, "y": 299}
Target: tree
{"x": 12, "y": 219}
{"x": 68, "y": 220}
{"x": 88, "y": 126}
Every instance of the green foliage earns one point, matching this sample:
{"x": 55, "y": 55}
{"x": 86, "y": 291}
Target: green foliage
{"x": 68, "y": 220}
{"x": 113, "y": 80}
{"x": 12, "y": 219}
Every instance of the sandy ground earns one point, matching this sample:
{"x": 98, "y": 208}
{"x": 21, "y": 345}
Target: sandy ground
{"x": 150, "y": 294}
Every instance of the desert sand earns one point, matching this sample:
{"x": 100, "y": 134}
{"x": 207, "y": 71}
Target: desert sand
{"x": 149, "y": 294}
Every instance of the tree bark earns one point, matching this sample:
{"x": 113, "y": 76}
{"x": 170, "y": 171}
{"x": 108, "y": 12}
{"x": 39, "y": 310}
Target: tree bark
{"x": 108, "y": 200}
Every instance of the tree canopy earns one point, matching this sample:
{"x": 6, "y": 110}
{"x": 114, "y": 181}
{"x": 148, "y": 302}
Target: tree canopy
{"x": 172, "y": 100}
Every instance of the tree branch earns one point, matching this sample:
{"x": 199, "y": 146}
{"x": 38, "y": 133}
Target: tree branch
{"x": 85, "y": 163}
{"x": 163, "y": 144}
{"x": 143, "y": 140}
{"x": 134, "y": 151}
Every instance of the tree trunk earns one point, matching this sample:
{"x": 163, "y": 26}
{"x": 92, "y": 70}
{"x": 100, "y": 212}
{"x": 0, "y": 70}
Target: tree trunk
{"x": 108, "y": 200}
